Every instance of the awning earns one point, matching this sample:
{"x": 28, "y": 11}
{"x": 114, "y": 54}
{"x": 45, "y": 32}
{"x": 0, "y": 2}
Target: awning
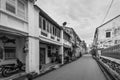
{"x": 66, "y": 46}
{"x": 45, "y": 40}
{"x": 8, "y": 30}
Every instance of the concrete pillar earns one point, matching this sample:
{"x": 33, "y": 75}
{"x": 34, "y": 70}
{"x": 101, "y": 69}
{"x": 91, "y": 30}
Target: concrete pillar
{"x": 62, "y": 53}
{"x": 62, "y": 47}
{"x": 32, "y": 58}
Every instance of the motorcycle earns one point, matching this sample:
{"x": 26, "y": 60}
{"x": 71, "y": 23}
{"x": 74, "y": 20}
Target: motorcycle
{"x": 3, "y": 66}
{"x": 10, "y": 69}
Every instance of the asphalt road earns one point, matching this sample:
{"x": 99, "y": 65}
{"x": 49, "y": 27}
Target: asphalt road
{"x": 85, "y": 68}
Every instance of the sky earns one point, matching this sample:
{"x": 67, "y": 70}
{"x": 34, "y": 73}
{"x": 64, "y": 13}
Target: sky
{"x": 82, "y": 15}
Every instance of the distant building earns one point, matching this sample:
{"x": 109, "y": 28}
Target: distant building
{"x": 77, "y": 47}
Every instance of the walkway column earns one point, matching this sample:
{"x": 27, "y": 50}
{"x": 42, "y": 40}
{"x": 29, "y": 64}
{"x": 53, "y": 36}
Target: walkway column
{"x": 32, "y": 58}
{"x": 62, "y": 47}
{"x": 62, "y": 54}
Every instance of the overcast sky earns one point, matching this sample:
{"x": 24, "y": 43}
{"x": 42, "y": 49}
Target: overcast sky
{"x": 82, "y": 15}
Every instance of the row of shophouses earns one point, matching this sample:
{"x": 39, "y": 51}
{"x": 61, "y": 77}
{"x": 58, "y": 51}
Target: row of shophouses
{"x": 108, "y": 34}
{"x": 32, "y": 36}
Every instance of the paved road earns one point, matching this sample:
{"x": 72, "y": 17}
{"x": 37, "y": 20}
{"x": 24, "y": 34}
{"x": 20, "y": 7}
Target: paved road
{"x": 83, "y": 69}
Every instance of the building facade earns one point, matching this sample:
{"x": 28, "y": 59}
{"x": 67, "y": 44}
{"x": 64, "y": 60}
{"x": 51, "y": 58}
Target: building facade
{"x": 17, "y": 39}
{"x": 50, "y": 40}
{"x": 67, "y": 45}
{"x": 29, "y": 34}
{"x": 108, "y": 34}
{"x": 77, "y": 47}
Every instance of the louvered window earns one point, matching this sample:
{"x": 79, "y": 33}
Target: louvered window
{"x": 21, "y": 9}
{"x": 10, "y": 6}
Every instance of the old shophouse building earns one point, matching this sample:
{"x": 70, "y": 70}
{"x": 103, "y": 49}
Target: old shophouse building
{"x": 77, "y": 48}
{"x": 107, "y": 34}
{"x": 50, "y": 38}
{"x": 67, "y": 45}
{"x": 31, "y": 35}
{"x": 17, "y": 39}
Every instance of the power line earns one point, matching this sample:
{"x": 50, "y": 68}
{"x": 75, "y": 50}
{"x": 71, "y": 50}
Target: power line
{"x": 107, "y": 11}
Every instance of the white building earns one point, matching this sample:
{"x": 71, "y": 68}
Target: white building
{"x": 76, "y": 42}
{"x": 17, "y": 33}
{"x": 108, "y": 34}
{"x": 29, "y": 34}
{"x": 50, "y": 37}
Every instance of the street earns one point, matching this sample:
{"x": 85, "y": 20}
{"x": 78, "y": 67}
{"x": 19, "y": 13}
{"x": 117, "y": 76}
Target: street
{"x": 84, "y": 68}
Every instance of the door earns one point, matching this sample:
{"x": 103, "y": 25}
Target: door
{"x": 42, "y": 55}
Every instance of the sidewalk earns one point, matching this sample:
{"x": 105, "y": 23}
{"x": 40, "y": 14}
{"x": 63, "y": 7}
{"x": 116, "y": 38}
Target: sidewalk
{"x": 45, "y": 69}
{"x": 23, "y": 76}
{"x": 49, "y": 66}
{"x": 13, "y": 76}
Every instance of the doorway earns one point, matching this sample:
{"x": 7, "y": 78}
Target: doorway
{"x": 42, "y": 56}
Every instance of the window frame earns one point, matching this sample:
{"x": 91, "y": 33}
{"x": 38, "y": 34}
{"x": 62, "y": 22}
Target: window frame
{"x": 44, "y": 25}
{"x": 8, "y": 58}
{"x": 10, "y": 4}
{"x": 51, "y": 28}
{"x": 48, "y": 26}
{"x": 40, "y": 21}
{"x": 108, "y": 34}
{"x": 18, "y": 8}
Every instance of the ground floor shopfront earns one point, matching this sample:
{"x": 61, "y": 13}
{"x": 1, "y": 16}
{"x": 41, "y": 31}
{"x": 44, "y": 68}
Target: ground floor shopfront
{"x": 12, "y": 46}
{"x": 32, "y": 51}
{"x": 49, "y": 53}
{"x": 67, "y": 50}
{"x": 15, "y": 44}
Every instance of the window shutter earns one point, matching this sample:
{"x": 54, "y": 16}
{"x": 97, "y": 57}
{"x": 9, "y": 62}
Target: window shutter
{"x": 10, "y": 6}
{"x": 21, "y": 9}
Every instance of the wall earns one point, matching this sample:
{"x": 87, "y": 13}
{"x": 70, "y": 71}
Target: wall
{"x": 11, "y": 20}
{"x": 19, "y": 44}
{"x": 112, "y": 25}
{"x": 32, "y": 59}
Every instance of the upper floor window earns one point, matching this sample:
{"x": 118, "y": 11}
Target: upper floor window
{"x": 48, "y": 27}
{"x": 40, "y": 22}
{"x": 108, "y": 34}
{"x": 51, "y": 29}
{"x": 44, "y": 24}
{"x": 17, "y": 7}
{"x": 116, "y": 41}
{"x": 55, "y": 31}
{"x": 0, "y": 3}
{"x": 21, "y": 8}
{"x": 10, "y": 6}
{"x": 58, "y": 32}
{"x": 66, "y": 37}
